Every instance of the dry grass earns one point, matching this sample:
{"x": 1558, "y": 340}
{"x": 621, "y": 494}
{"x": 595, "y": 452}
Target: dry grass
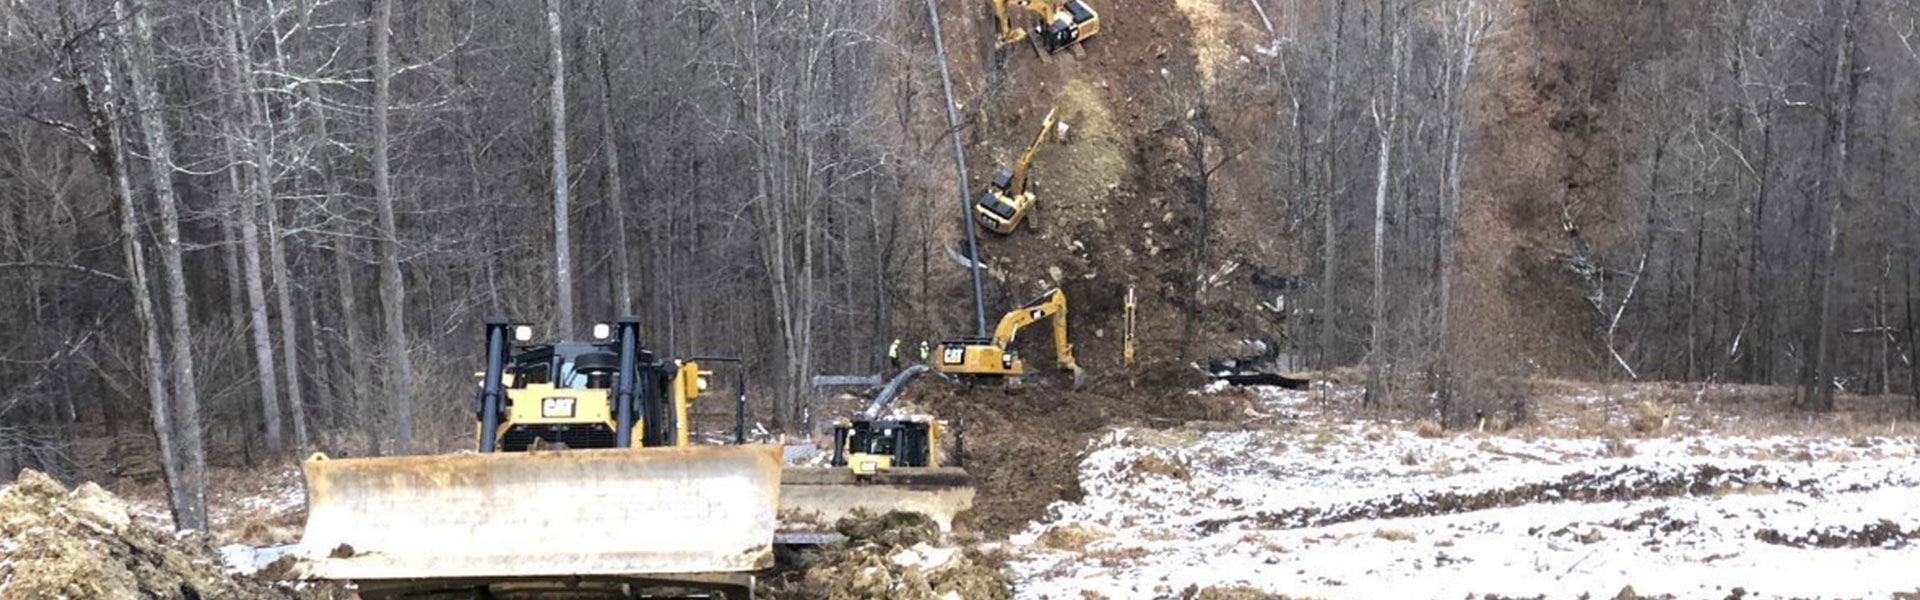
{"x": 1394, "y": 535}
{"x": 1072, "y": 537}
{"x": 1429, "y": 430}
{"x": 1647, "y": 418}
{"x": 1153, "y": 464}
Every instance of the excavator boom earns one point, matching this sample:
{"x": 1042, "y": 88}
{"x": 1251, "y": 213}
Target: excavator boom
{"x": 1018, "y": 185}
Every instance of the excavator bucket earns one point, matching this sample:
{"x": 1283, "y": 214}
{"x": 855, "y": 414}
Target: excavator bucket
{"x": 822, "y": 495}
{"x": 571, "y": 513}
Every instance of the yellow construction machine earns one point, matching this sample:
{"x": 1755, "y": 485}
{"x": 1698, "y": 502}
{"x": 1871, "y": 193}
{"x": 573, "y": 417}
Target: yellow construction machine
{"x": 993, "y": 359}
{"x": 870, "y": 447}
{"x": 1063, "y": 26}
{"x": 626, "y": 505}
{"x": 883, "y": 464}
{"x": 1005, "y": 203}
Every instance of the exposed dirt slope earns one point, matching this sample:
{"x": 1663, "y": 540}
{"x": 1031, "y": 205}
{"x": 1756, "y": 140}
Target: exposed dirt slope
{"x": 1114, "y": 211}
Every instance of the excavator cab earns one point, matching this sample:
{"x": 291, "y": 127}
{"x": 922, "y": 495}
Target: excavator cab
{"x": 1006, "y": 201}
{"x": 1071, "y": 23}
{"x": 1063, "y": 26}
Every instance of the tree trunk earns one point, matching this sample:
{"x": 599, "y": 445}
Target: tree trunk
{"x": 393, "y": 295}
{"x": 616, "y": 192}
{"x": 562, "y": 257}
{"x": 1818, "y": 394}
{"x": 276, "y": 242}
{"x": 1470, "y": 34}
{"x": 1385, "y": 124}
{"x": 243, "y": 140}
{"x": 111, "y": 155}
{"x": 351, "y": 400}
{"x": 1329, "y": 249}
{"x": 153, "y": 125}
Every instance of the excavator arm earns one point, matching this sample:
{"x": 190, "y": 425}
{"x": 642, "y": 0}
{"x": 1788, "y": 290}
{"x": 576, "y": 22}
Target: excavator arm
{"x": 1018, "y": 185}
{"x": 1010, "y": 34}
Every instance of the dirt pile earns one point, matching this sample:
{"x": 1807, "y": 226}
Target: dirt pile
{"x": 84, "y": 544}
{"x": 896, "y": 555}
{"x": 1023, "y": 446}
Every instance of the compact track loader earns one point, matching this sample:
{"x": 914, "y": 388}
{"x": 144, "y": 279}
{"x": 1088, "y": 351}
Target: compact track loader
{"x": 993, "y": 359}
{"x": 583, "y": 476}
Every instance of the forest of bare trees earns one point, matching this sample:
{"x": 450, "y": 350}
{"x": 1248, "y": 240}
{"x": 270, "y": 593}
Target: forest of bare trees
{"x": 232, "y": 232}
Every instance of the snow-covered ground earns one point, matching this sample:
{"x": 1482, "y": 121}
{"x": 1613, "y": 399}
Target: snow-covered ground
{"x": 1339, "y": 509}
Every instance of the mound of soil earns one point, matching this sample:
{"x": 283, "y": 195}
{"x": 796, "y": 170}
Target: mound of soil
{"x": 1024, "y": 446}
{"x": 84, "y": 543}
{"x": 895, "y": 555}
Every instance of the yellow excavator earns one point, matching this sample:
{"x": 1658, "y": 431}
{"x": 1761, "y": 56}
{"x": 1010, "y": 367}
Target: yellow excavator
{"x": 1004, "y": 205}
{"x": 627, "y": 505}
{"x": 1063, "y": 25}
{"x": 993, "y": 359}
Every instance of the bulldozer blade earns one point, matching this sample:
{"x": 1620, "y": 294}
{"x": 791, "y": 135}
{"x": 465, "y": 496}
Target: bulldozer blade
{"x": 574, "y": 513}
{"x": 820, "y": 495}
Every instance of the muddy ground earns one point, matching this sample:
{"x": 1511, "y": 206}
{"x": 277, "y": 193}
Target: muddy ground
{"x": 1023, "y": 446}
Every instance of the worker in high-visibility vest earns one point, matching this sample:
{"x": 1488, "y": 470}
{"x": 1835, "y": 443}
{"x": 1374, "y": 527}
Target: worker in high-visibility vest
{"x": 893, "y": 353}
{"x": 926, "y": 351}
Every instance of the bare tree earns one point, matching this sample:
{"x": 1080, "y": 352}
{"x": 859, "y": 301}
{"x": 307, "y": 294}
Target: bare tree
{"x": 1329, "y": 188}
{"x": 1385, "y": 125}
{"x": 109, "y": 150}
{"x": 243, "y": 147}
{"x": 616, "y": 190}
{"x": 1841, "y": 93}
{"x": 562, "y": 256}
{"x": 393, "y": 295}
{"x": 136, "y": 27}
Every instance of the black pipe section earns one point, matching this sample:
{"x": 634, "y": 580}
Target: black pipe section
{"x": 960, "y": 164}
{"x": 893, "y": 388}
{"x": 491, "y": 396}
{"x": 960, "y": 442}
{"x": 740, "y": 402}
{"x": 623, "y": 391}
{"x": 839, "y": 447}
{"x": 740, "y": 407}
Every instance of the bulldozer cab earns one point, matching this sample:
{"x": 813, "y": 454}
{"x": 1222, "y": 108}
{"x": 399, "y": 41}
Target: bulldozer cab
{"x": 609, "y": 393}
{"x": 559, "y": 395}
{"x": 870, "y": 446}
{"x": 566, "y": 365}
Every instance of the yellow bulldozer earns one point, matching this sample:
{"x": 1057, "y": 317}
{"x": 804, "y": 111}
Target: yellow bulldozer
{"x": 1063, "y": 25}
{"x": 880, "y": 465}
{"x": 993, "y": 358}
{"x": 582, "y": 481}
{"x": 1006, "y": 202}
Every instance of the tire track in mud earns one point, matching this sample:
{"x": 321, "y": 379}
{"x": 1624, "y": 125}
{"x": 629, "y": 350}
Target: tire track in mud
{"x": 1615, "y": 483}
